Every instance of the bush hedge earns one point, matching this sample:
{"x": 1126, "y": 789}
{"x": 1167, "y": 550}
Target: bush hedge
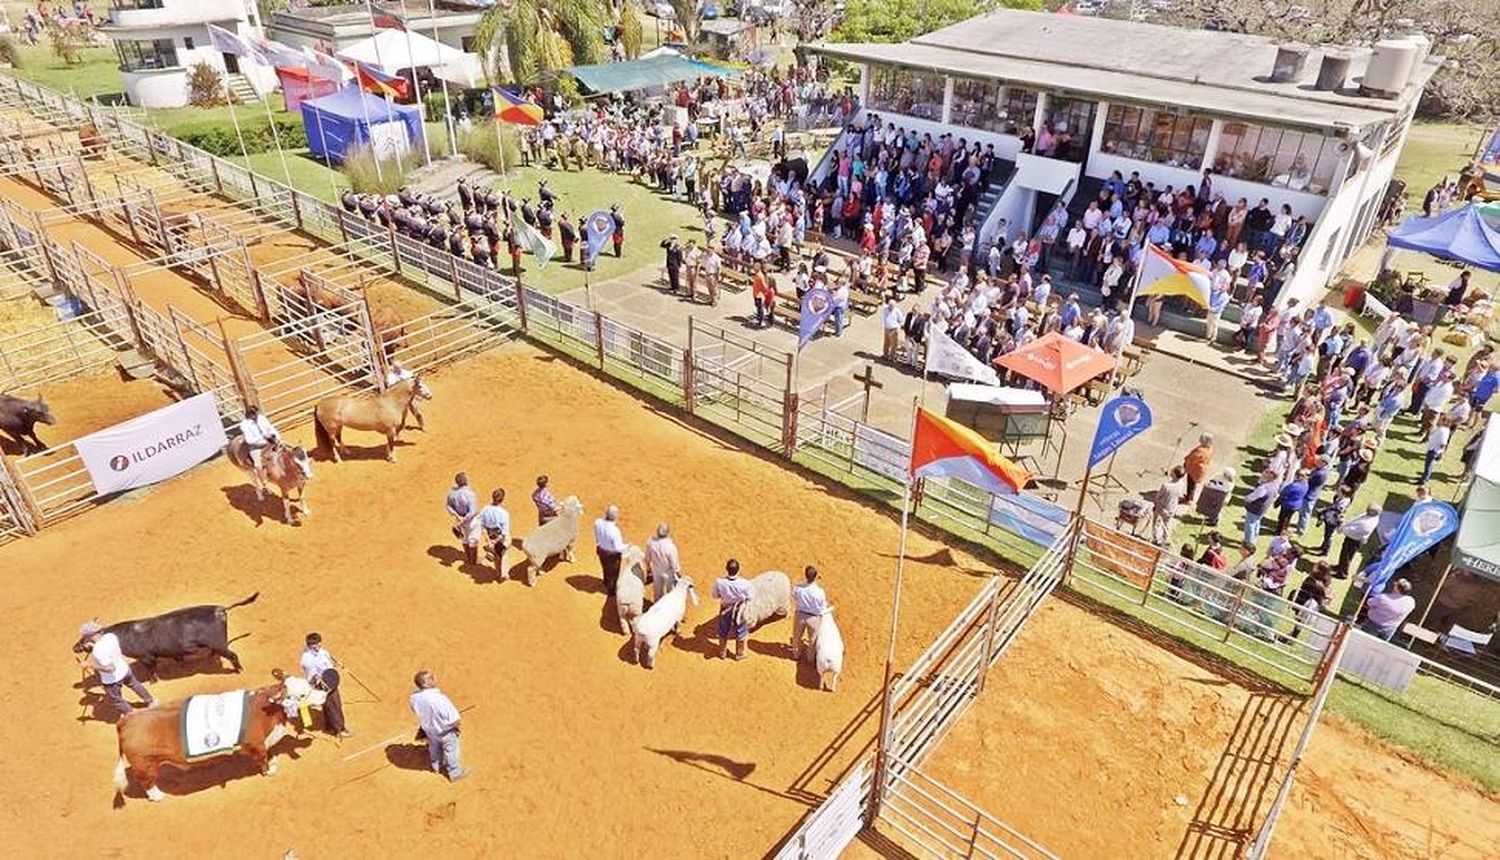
{"x": 217, "y": 135}
{"x": 480, "y": 145}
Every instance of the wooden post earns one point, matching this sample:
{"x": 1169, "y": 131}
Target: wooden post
{"x": 88, "y": 186}
{"x": 259, "y": 290}
{"x": 296, "y": 210}
{"x": 372, "y": 342}
{"x": 242, "y": 383}
{"x": 458, "y": 293}
{"x": 599, "y": 338}
{"x": 254, "y": 189}
{"x": 41, "y": 240}
{"x": 789, "y": 425}
{"x": 31, "y": 513}
{"x": 127, "y": 299}
{"x": 213, "y": 167}
{"x": 182, "y": 343}
{"x": 687, "y": 380}
{"x": 338, "y": 218}
{"x": 161, "y": 223}
{"x": 521, "y": 305}
{"x": 395, "y": 249}
{"x": 213, "y": 268}
{"x": 989, "y": 640}
{"x": 151, "y": 146}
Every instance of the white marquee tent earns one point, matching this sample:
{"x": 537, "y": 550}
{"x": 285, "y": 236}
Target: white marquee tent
{"x": 393, "y": 50}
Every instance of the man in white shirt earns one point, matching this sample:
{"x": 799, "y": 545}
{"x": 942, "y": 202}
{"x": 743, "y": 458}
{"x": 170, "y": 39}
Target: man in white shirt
{"x": 321, "y": 671}
{"x": 495, "y": 520}
{"x": 840, "y": 307}
{"x": 395, "y": 374}
{"x": 1385, "y": 612}
{"x": 439, "y": 721}
{"x": 812, "y": 605}
{"x": 113, "y": 667}
{"x": 1356, "y": 532}
{"x": 1437, "y": 443}
{"x": 731, "y": 591}
{"x": 610, "y": 545}
{"x": 1436, "y": 399}
{"x": 259, "y": 434}
{"x": 891, "y": 319}
{"x": 663, "y": 561}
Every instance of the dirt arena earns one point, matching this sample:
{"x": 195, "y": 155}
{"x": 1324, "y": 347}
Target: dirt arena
{"x": 1096, "y": 742}
{"x": 573, "y": 746}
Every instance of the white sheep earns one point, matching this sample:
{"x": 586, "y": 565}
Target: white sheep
{"x": 770, "y": 597}
{"x": 630, "y": 588}
{"x": 662, "y": 618}
{"x": 829, "y": 646}
{"x": 555, "y": 537}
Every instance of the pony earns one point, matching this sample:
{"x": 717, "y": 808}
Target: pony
{"x": 19, "y": 418}
{"x": 289, "y": 468}
{"x": 383, "y": 413}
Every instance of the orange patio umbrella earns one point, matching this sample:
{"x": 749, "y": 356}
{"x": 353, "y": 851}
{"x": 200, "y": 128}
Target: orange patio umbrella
{"x": 1060, "y": 364}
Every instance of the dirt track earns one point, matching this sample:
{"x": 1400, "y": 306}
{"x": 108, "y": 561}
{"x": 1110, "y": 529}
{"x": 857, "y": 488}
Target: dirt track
{"x": 575, "y": 748}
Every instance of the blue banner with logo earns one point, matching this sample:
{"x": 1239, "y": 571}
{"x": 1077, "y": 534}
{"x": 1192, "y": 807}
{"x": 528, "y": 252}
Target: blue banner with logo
{"x": 1421, "y": 527}
{"x": 597, "y": 230}
{"x": 1121, "y": 420}
{"x": 817, "y": 307}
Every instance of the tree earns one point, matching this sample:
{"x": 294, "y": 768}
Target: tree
{"x": 68, "y": 37}
{"x": 631, "y": 34}
{"x": 1465, "y": 33}
{"x": 885, "y": 21}
{"x": 527, "y": 38}
{"x": 686, "y": 14}
{"x": 205, "y": 86}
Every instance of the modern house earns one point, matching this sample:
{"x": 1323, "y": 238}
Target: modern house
{"x": 160, "y": 41}
{"x": 334, "y": 28}
{"x": 1319, "y": 128}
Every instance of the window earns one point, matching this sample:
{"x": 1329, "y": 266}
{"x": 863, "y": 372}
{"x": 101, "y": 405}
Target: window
{"x": 906, "y": 91}
{"x": 146, "y": 54}
{"x": 975, "y": 104}
{"x": 1018, "y": 110}
{"x": 1071, "y": 122}
{"x": 187, "y": 42}
{"x": 1158, "y": 136}
{"x": 1301, "y": 161}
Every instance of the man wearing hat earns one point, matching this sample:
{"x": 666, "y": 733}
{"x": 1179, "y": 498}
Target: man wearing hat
{"x": 321, "y": 671}
{"x": 113, "y": 667}
{"x": 1356, "y": 533}
{"x": 673, "y": 248}
{"x": 619, "y": 234}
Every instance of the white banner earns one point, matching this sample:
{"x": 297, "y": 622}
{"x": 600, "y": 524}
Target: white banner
{"x": 153, "y": 447}
{"x": 946, "y": 358}
{"x": 880, "y": 452}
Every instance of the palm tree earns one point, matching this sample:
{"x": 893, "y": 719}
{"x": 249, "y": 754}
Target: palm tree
{"x": 526, "y": 38}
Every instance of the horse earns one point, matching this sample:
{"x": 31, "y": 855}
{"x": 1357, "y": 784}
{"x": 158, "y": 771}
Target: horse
{"x": 383, "y": 413}
{"x": 289, "y": 468}
{"x": 19, "y": 418}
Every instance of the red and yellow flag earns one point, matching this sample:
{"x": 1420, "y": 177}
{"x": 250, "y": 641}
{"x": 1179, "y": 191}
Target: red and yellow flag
{"x": 944, "y": 448}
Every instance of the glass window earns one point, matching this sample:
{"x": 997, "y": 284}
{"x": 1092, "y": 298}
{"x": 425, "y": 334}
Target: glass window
{"x": 187, "y": 42}
{"x": 975, "y": 104}
{"x": 906, "y": 91}
{"x": 1070, "y": 126}
{"x": 146, "y": 54}
{"x": 1301, "y": 161}
{"x": 1158, "y": 136}
{"x": 1018, "y": 110}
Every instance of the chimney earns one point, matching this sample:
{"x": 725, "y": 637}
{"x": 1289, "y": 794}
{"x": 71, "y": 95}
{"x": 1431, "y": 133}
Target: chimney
{"x": 1290, "y": 59}
{"x": 1333, "y": 72}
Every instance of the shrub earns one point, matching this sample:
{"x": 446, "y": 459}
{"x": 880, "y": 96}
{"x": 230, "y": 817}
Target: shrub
{"x": 360, "y": 169}
{"x": 205, "y": 86}
{"x": 10, "y": 52}
{"x": 217, "y": 135}
{"x": 68, "y": 37}
{"x": 480, "y": 145}
{"x": 435, "y": 106}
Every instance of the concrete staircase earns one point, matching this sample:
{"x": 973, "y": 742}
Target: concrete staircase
{"x": 239, "y": 89}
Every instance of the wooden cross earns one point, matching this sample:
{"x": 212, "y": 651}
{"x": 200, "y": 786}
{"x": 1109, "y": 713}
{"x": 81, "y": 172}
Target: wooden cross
{"x": 867, "y": 379}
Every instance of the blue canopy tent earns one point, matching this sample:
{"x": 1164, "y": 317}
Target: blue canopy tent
{"x": 1460, "y": 234}
{"x": 340, "y": 120}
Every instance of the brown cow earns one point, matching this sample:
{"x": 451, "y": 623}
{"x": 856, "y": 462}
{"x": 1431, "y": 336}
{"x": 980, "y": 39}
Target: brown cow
{"x": 153, "y": 737}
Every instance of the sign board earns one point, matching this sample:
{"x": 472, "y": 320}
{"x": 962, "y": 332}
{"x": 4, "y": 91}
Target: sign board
{"x": 153, "y": 447}
{"x": 881, "y": 452}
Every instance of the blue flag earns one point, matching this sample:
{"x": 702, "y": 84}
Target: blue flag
{"x": 1422, "y": 526}
{"x": 817, "y": 307}
{"x": 1121, "y": 420}
{"x": 597, "y": 229}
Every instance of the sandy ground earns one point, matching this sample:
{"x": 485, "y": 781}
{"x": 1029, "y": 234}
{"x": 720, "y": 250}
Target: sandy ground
{"x": 95, "y": 400}
{"x": 1097, "y": 743}
{"x": 574, "y": 747}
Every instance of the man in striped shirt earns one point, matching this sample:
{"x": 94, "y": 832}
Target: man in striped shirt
{"x": 547, "y": 507}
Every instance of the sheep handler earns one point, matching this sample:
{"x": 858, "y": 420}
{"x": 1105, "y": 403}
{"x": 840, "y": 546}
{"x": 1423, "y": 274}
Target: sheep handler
{"x": 463, "y": 508}
{"x": 731, "y": 591}
{"x": 812, "y": 605}
{"x": 495, "y": 520}
{"x": 610, "y": 546}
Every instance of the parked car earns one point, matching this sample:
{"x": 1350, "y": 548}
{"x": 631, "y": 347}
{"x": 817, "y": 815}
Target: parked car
{"x": 662, "y": 10}
{"x": 708, "y": 10}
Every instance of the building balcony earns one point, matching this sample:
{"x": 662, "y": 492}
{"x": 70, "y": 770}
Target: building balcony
{"x": 126, "y": 15}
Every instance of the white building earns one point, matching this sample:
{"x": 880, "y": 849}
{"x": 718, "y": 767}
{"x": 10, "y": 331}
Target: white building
{"x": 160, "y": 41}
{"x": 1319, "y": 129}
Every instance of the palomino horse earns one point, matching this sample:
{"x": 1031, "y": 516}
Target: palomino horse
{"x": 288, "y": 468}
{"x": 383, "y": 413}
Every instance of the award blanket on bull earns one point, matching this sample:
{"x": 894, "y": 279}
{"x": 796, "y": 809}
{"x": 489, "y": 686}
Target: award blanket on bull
{"x": 214, "y": 723}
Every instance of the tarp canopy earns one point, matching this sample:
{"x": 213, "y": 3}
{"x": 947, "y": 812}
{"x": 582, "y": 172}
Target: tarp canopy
{"x": 1460, "y": 234}
{"x": 392, "y": 51}
{"x": 351, "y": 117}
{"x": 1477, "y": 546}
{"x": 639, "y": 74}
{"x": 1060, "y": 364}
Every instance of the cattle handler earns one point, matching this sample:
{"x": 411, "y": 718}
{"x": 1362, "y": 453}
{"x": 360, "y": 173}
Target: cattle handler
{"x": 321, "y": 671}
{"x": 113, "y": 667}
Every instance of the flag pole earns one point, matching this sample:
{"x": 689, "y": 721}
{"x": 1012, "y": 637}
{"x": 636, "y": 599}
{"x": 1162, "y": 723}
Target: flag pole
{"x": 882, "y": 749}
{"x": 416, "y": 86}
{"x": 239, "y": 135}
{"x": 276, "y": 136}
{"x": 389, "y": 104}
{"x": 365, "y": 105}
{"x": 447, "y": 107}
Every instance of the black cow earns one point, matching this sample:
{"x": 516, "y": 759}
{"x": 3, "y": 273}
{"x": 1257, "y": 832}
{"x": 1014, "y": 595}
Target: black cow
{"x": 173, "y": 635}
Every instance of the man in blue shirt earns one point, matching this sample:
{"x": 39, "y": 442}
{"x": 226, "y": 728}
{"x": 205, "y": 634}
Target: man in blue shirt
{"x": 1290, "y": 500}
{"x": 1070, "y": 311}
{"x": 1322, "y": 322}
{"x": 495, "y": 520}
{"x": 1160, "y": 233}
{"x": 1206, "y": 245}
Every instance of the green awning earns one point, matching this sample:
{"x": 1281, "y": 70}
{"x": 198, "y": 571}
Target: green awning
{"x": 639, "y": 74}
{"x": 1477, "y": 545}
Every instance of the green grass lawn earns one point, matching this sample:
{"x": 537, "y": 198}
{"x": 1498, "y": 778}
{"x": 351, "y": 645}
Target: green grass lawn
{"x": 1435, "y": 150}
{"x": 97, "y": 73}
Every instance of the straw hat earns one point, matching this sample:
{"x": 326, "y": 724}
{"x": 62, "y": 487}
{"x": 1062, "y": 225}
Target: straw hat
{"x": 1284, "y": 441}
{"x": 1367, "y": 454}
{"x": 1292, "y": 429}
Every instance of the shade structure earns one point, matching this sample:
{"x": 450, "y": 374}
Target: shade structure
{"x": 351, "y": 117}
{"x": 1059, "y": 364}
{"x": 1477, "y": 546}
{"x": 1460, "y": 234}
{"x": 392, "y": 51}
{"x": 641, "y": 74}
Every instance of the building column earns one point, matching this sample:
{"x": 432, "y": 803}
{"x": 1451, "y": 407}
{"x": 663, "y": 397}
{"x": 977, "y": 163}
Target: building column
{"x": 1096, "y": 136}
{"x": 1211, "y": 151}
{"x": 1040, "y": 116}
{"x": 947, "y": 99}
{"x": 864, "y": 84}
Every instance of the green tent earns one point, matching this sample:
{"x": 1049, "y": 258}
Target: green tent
{"x": 1477, "y": 546}
{"x": 657, "y": 71}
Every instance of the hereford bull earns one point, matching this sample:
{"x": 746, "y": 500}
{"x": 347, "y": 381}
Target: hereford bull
{"x": 174, "y": 635}
{"x": 150, "y": 739}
